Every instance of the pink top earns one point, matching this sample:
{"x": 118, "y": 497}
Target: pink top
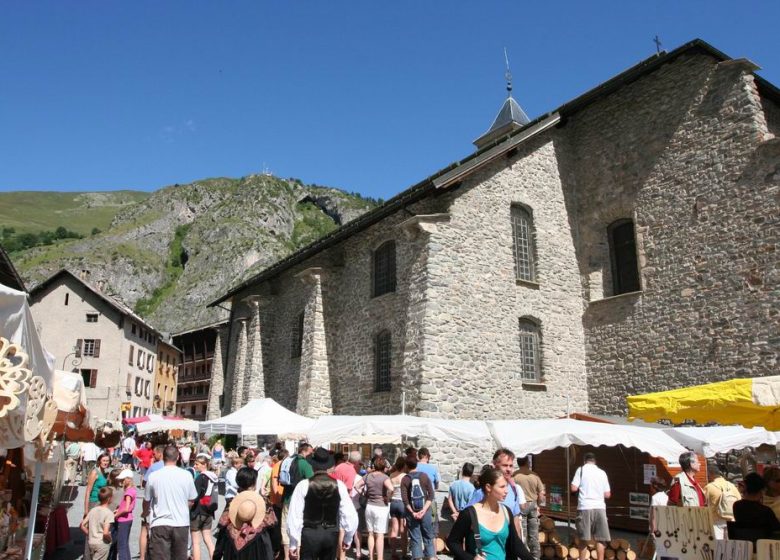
{"x": 127, "y": 515}
{"x": 345, "y": 472}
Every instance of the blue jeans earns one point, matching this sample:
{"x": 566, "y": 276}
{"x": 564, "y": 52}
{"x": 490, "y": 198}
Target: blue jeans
{"x": 123, "y": 539}
{"x": 421, "y": 535}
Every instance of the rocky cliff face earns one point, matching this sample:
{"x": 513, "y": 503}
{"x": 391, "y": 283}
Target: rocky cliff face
{"x": 185, "y": 245}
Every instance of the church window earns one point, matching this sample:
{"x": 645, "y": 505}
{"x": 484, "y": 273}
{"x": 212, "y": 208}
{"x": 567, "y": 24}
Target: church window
{"x": 530, "y": 356}
{"x": 622, "y": 252}
{"x": 523, "y": 237}
{"x": 384, "y": 269}
{"x": 382, "y": 351}
{"x": 296, "y": 339}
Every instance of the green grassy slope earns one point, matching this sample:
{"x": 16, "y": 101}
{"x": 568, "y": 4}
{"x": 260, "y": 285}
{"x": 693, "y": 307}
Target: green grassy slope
{"x": 34, "y": 211}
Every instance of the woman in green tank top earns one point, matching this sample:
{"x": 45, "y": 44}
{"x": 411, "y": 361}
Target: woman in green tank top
{"x": 486, "y": 530}
{"x": 97, "y": 480}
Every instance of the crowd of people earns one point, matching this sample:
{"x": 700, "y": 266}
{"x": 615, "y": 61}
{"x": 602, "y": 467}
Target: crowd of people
{"x": 316, "y": 504}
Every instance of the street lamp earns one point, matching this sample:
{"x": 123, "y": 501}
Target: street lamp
{"x": 76, "y": 360}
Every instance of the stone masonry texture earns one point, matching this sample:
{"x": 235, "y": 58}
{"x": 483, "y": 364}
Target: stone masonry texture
{"x": 687, "y": 152}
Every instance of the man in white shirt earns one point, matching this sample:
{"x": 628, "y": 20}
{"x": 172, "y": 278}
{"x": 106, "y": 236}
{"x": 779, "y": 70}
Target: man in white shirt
{"x": 314, "y": 524}
{"x": 89, "y": 455}
{"x": 170, "y": 493}
{"x": 128, "y": 451}
{"x": 593, "y": 486}
{"x": 185, "y": 449}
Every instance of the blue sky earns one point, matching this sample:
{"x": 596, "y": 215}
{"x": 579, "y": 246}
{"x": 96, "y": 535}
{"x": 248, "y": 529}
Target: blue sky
{"x": 367, "y": 96}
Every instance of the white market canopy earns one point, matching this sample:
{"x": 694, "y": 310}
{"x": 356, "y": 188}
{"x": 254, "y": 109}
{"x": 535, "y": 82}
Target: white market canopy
{"x": 710, "y": 440}
{"x": 166, "y": 424}
{"x": 534, "y": 436}
{"x": 259, "y": 417}
{"x": 393, "y": 428}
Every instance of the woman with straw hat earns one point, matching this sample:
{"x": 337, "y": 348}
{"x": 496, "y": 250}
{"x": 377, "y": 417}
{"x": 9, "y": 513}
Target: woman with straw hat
{"x": 242, "y": 527}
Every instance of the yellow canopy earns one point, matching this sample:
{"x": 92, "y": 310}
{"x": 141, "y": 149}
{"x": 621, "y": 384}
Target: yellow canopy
{"x": 749, "y": 402}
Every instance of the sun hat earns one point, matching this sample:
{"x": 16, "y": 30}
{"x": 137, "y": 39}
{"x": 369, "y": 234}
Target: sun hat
{"x": 126, "y": 473}
{"x": 321, "y": 459}
{"x": 247, "y": 507}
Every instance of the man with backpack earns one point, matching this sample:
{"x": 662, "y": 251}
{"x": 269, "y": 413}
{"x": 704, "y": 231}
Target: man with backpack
{"x": 721, "y": 496}
{"x": 294, "y": 469}
{"x": 203, "y": 509}
{"x": 418, "y": 495}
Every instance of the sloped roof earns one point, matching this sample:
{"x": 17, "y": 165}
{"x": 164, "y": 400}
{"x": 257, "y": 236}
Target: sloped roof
{"x": 427, "y": 186}
{"x": 8, "y": 274}
{"x": 510, "y": 117}
{"x": 116, "y": 304}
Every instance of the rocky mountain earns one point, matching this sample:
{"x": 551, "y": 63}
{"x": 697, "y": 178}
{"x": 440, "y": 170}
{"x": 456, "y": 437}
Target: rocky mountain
{"x": 170, "y": 254}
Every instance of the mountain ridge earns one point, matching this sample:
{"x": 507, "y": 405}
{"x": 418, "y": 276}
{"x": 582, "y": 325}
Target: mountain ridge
{"x": 169, "y": 253}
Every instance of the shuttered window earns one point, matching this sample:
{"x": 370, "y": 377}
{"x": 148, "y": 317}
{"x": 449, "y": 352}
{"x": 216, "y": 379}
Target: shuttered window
{"x": 89, "y": 347}
{"x": 530, "y": 356}
{"x": 130, "y": 357}
{"x": 523, "y": 239}
{"x": 384, "y": 269}
{"x": 89, "y": 377}
{"x": 382, "y": 360}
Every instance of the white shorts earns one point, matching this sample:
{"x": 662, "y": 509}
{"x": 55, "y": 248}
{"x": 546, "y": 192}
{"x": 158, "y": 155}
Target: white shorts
{"x": 377, "y": 518}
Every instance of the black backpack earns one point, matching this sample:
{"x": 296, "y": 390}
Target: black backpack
{"x": 295, "y": 472}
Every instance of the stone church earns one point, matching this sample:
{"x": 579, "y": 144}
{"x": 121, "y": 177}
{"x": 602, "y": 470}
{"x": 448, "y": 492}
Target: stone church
{"x": 622, "y": 243}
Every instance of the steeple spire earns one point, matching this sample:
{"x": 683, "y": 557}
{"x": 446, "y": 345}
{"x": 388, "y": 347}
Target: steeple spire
{"x": 508, "y": 75}
{"x": 510, "y": 117}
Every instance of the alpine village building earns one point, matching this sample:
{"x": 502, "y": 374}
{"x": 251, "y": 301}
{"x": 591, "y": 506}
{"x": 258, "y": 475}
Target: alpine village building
{"x": 115, "y": 350}
{"x": 623, "y": 243}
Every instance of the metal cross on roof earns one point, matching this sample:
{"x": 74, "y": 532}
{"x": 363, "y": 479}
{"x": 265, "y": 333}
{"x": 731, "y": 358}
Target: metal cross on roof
{"x": 657, "y": 42}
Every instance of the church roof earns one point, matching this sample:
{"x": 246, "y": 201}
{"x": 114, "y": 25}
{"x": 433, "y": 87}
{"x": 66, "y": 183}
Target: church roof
{"x": 428, "y": 185}
{"x": 509, "y": 118}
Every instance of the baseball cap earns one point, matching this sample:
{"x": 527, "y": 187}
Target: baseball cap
{"x": 126, "y": 473}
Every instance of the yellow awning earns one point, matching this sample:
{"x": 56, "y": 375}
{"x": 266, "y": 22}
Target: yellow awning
{"x": 749, "y": 402}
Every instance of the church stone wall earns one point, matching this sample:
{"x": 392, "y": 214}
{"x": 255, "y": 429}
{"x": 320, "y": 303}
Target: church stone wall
{"x": 679, "y": 152}
{"x": 472, "y": 365}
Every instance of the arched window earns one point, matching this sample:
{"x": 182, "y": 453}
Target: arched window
{"x": 384, "y": 269}
{"x": 382, "y": 355}
{"x": 523, "y": 240}
{"x": 622, "y": 254}
{"x": 530, "y": 352}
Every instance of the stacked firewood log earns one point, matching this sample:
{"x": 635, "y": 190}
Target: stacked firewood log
{"x": 552, "y": 547}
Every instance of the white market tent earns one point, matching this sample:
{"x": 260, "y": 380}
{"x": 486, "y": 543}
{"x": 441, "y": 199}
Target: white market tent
{"x": 259, "y": 417}
{"x": 392, "y": 428}
{"x": 534, "y": 436}
{"x": 165, "y": 424}
{"x": 710, "y": 440}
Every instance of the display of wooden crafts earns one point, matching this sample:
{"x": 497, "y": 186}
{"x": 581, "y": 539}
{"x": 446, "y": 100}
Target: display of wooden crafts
{"x": 15, "y": 377}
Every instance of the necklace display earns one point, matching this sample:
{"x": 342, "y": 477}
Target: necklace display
{"x": 686, "y": 531}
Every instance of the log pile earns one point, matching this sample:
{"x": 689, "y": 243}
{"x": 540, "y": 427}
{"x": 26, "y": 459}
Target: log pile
{"x": 553, "y": 548}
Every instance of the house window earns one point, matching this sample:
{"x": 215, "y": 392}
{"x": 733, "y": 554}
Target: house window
{"x": 67, "y": 297}
{"x": 622, "y": 252}
{"x": 530, "y": 356}
{"x": 139, "y": 362}
{"x": 139, "y": 386}
{"x": 192, "y": 409}
{"x": 147, "y": 386}
{"x": 89, "y": 377}
{"x": 149, "y": 362}
{"x": 129, "y": 384}
{"x": 296, "y": 337}
{"x": 92, "y": 317}
{"x": 384, "y": 269}
{"x": 130, "y": 357}
{"x": 382, "y": 350}
{"x": 132, "y": 328}
{"x": 523, "y": 239}
{"x": 89, "y": 347}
